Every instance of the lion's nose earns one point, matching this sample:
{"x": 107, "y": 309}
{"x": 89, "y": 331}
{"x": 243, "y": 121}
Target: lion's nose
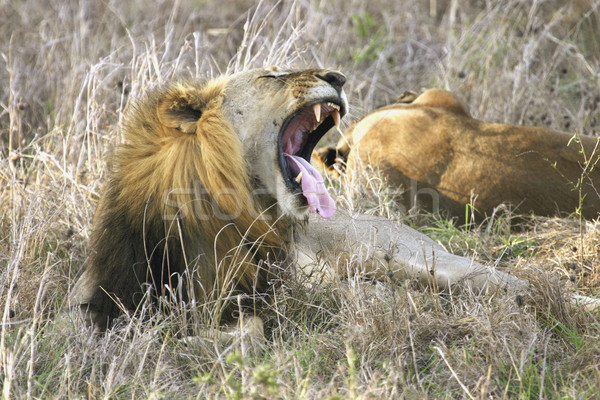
{"x": 335, "y": 79}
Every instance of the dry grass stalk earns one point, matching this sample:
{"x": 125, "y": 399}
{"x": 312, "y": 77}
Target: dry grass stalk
{"x": 69, "y": 70}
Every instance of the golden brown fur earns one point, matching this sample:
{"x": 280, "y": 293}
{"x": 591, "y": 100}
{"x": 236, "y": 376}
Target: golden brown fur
{"x": 434, "y": 149}
{"x": 145, "y": 227}
{"x": 203, "y": 200}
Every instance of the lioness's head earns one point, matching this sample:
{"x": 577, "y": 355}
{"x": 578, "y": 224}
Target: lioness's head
{"x": 278, "y": 116}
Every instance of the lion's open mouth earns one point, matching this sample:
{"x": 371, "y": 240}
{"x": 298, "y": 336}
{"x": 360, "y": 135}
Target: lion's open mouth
{"x": 300, "y": 134}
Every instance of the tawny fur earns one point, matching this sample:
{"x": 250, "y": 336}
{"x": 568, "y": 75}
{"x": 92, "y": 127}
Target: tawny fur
{"x": 153, "y": 224}
{"x": 199, "y": 203}
{"x": 431, "y": 143}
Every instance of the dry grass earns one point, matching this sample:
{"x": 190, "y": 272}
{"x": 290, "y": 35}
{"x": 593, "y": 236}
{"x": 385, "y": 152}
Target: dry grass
{"x": 69, "y": 68}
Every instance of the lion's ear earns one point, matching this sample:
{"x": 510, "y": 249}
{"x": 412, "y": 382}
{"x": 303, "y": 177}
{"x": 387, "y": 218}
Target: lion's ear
{"x": 180, "y": 109}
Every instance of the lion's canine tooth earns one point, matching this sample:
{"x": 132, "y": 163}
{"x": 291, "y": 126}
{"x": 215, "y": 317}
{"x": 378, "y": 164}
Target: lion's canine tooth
{"x": 299, "y": 177}
{"x": 336, "y": 117}
{"x": 317, "y": 110}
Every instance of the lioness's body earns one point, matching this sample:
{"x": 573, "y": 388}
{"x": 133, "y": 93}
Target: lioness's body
{"x": 434, "y": 149}
{"x": 211, "y": 193}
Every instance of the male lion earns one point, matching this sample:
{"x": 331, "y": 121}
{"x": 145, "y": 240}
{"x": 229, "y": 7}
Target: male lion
{"x": 211, "y": 194}
{"x": 432, "y": 147}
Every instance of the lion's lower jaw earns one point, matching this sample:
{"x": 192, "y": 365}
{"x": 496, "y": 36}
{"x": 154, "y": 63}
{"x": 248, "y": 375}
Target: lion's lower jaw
{"x": 292, "y": 206}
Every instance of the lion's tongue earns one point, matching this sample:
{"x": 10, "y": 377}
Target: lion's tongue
{"x": 312, "y": 186}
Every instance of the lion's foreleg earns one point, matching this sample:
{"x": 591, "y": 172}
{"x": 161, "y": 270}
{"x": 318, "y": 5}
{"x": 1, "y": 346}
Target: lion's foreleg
{"x": 383, "y": 249}
{"x": 380, "y": 248}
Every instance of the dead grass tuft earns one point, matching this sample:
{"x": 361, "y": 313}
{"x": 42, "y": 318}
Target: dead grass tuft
{"x": 69, "y": 70}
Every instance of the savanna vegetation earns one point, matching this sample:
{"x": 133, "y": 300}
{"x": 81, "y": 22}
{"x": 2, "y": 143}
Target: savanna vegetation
{"x": 68, "y": 69}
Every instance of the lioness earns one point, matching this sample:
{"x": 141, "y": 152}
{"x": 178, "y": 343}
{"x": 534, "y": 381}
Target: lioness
{"x": 445, "y": 159}
{"x": 212, "y": 193}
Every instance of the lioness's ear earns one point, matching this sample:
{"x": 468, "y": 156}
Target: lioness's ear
{"x": 180, "y": 108}
{"x": 407, "y": 97}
